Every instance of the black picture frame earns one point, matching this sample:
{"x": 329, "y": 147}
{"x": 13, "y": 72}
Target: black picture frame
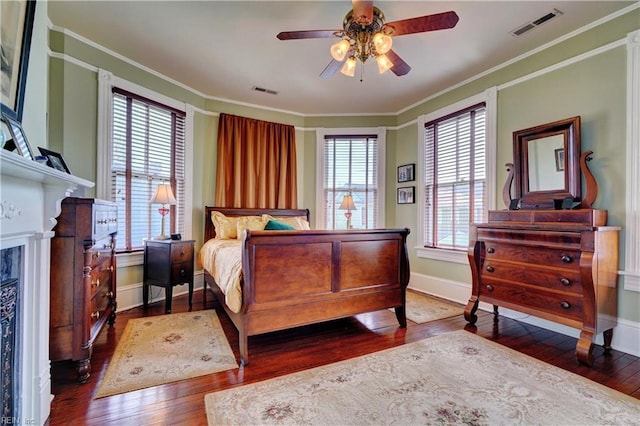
{"x": 55, "y": 160}
{"x": 406, "y": 195}
{"x": 406, "y": 173}
{"x": 17, "y": 23}
{"x": 18, "y": 141}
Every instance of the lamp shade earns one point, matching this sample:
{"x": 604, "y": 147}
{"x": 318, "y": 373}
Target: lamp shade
{"x": 349, "y": 67}
{"x": 347, "y": 203}
{"x": 340, "y": 49}
{"x": 163, "y": 195}
{"x": 382, "y": 42}
{"x": 384, "y": 64}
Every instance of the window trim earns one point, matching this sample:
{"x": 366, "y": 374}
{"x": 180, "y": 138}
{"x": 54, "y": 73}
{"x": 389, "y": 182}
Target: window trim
{"x": 380, "y": 133}
{"x": 106, "y": 81}
{"x": 489, "y": 97}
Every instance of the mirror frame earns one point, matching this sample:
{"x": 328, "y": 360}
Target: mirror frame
{"x": 569, "y": 128}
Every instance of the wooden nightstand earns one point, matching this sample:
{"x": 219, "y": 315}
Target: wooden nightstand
{"x": 167, "y": 263}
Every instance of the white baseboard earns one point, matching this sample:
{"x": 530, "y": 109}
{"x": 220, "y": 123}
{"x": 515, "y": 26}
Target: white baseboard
{"x": 130, "y": 296}
{"x": 626, "y": 335}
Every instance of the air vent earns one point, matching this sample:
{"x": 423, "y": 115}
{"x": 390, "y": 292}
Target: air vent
{"x": 263, "y": 90}
{"x": 524, "y": 28}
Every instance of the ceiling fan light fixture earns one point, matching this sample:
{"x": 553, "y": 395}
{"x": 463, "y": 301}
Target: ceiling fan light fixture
{"x": 382, "y": 42}
{"x": 340, "y": 49}
{"x": 349, "y": 67}
{"x": 384, "y": 63}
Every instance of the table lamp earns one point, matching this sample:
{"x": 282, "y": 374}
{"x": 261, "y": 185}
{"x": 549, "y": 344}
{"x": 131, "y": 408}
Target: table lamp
{"x": 163, "y": 196}
{"x": 348, "y": 205}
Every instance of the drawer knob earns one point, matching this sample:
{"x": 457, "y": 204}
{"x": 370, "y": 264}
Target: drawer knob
{"x": 95, "y": 315}
{"x": 96, "y": 254}
{"x": 566, "y": 258}
{"x": 490, "y": 268}
{"x": 182, "y": 253}
{"x": 95, "y": 283}
{"x": 491, "y": 250}
{"x": 565, "y": 281}
{"x": 107, "y": 294}
{"x": 489, "y": 287}
{"x": 182, "y": 272}
{"x": 565, "y": 305}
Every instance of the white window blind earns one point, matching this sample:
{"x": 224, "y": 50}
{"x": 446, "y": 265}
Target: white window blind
{"x": 148, "y": 148}
{"x": 455, "y": 177}
{"x": 350, "y": 167}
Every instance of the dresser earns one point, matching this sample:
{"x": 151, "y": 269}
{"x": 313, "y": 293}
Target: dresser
{"x": 83, "y": 279}
{"x": 167, "y": 263}
{"x": 560, "y": 265}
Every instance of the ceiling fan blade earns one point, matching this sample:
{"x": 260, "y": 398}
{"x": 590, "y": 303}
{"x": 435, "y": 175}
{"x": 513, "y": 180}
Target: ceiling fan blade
{"x": 295, "y": 35}
{"x": 331, "y": 69}
{"x": 399, "y": 67}
{"x": 439, "y": 21}
{"x": 362, "y": 11}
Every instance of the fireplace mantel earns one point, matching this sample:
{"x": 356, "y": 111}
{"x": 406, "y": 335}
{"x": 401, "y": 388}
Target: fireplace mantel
{"x": 30, "y": 197}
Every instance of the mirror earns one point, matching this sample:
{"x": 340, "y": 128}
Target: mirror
{"x": 547, "y": 164}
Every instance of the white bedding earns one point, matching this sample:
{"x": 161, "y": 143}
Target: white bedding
{"x": 223, "y": 260}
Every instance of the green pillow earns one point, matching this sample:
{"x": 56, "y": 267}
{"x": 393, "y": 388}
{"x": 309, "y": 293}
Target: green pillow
{"x": 274, "y": 225}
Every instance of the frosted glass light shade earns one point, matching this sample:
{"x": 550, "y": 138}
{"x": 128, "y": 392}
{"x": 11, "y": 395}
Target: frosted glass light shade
{"x": 384, "y": 64}
{"x": 382, "y": 42}
{"x": 349, "y": 67}
{"x": 339, "y": 50}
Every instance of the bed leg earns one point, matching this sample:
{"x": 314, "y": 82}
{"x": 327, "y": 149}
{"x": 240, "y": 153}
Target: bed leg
{"x": 244, "y": 348}
{"x": 401, "y": 314}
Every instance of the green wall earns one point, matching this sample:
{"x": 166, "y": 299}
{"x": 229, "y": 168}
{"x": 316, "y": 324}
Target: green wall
{"x": 594, "y": 88}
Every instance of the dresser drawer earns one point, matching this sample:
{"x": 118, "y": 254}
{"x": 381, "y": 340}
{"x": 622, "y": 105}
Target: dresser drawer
{"x": 181, "y": 272}
{"x": 562, "y": 279}
{"x": 105, "y": 220}
{"x": 557, "y": 258}
{"x": 562, "y": 304}
{"x": 100, "y": 301}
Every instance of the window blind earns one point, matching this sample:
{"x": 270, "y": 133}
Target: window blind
{"x": 455, "y": 177}
{"x": 147, "y": 149}
{"x": 350, "y": 167}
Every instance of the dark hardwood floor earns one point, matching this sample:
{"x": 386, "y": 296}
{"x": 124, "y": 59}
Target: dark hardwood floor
{"x": 288, "y": 351}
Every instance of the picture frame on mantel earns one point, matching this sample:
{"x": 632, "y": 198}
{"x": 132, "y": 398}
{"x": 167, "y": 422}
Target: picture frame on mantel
{"x": 55, "y": 160}
{"x": 18, "y": 140}
{"x": 16, "y": 21}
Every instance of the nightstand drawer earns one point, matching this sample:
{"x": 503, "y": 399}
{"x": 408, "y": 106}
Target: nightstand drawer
{"x": 182, "y": 272}
{"x": 181, "y": 252}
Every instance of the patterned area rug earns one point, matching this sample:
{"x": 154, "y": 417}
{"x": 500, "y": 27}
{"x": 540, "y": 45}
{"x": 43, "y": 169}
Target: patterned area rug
{"x": 167, "y": 348}
{"x": 453, "y": 378}
{"x": 423, "y": 308}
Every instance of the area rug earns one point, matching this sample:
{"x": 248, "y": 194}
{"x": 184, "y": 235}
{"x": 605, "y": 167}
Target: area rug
{"x": 453, "y": 378}
{"x": 423, "y": 308}
{"x": 167, "y": 348}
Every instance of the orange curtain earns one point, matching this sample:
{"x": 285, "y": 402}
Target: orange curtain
{"x": 256, "y": 166}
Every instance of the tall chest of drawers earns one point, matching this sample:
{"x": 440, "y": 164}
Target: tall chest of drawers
{"x": 560, "y": 265}
{"x": 83, "y": 279}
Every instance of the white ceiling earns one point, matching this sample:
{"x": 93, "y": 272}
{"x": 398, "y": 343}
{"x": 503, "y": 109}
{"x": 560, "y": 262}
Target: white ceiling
{"x": 222, "y": 49}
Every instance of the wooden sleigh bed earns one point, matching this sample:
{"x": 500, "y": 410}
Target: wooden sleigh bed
{"x": 295, "y": 278}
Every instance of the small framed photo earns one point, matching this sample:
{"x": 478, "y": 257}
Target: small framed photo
{"x": 406, "y": 173}
{"x": 17, "y": 140}
{"x": 54, "y": 160}
{"x": 559, "y": 159}
{"x": 406, "y": 195}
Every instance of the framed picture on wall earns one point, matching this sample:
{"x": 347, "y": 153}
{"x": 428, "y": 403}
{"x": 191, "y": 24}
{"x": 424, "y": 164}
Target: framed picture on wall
{"x": 16, "y": 21}
{"x": 406, "y": 195}
{"x": 406, "y": 173}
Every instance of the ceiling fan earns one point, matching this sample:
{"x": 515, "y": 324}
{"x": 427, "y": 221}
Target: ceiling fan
{"x": 365, "y": 34}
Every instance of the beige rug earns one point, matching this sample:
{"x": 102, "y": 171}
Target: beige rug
{"x": 453, "y": 378}
{"x": 167, "y": 348}
{"x": 423, "y": 308}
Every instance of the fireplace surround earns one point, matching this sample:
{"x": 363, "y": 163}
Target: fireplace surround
{"x": 30, "y": 197}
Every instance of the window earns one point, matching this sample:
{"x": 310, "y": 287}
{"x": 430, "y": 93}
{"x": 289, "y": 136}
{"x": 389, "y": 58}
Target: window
{"x": 350, "y": 166}
{"x": 147, "y": 149}
{"x": 454, "y": 177}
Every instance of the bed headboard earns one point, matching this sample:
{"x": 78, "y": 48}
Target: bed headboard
{"x": 210, "y": 231}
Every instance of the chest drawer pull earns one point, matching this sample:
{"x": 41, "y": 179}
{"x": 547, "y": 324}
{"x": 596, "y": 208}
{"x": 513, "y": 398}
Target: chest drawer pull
{"x": 565, "y": 281}
{"x": 490, "y": 268}
{"x": 565, "y": 305}
{"x": 566, "y": 258}
{"x": 95, "y": 283}
{"x": 489, "y": 287}
{"x": 491, "y": 250}
{"x": 95, "y": 315}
